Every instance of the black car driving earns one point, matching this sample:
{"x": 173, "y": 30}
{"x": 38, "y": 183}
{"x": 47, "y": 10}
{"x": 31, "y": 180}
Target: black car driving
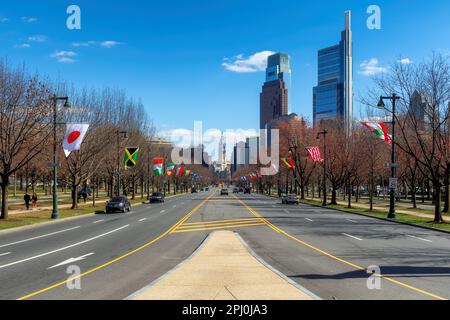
{"x": 157, "y": 197}
{"x": 120, "y": 204}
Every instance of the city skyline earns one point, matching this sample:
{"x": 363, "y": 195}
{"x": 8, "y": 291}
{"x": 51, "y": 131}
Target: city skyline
{"x": 216, "y": 60}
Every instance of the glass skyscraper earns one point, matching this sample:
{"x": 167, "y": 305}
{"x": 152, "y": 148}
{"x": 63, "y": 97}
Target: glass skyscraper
{"x": 333, "y": 96}
{"x": 274, "y": 100}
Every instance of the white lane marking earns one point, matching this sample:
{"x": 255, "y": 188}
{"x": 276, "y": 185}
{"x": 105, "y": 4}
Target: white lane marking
{"x": 142, "y": 220}
{"x": 287, "y": 211}
{"x": 131, "y": 212}
{"x": 4, "y": 254}
{"x": 352, "y": 220}
{"x": 162, "y": 211}
{"x": 311, "y": 220}
{"x": 174, "y": 206}
{"x": 98, "y": 221}
{"x": 418, "y": 238}
{"x": 39, "y": 237}
{"x": 353, "y": 237}
{"x": 71, "y": 260}
{"x": 65, "y": 248}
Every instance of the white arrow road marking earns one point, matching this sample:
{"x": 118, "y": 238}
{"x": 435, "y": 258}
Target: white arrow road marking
{"x": 98, "y": 221}
{"x": 353, "y": 237}
{"x": 65, "y": 248}
{"x": 311, "y": 220}
{"x": 4, "y": 254}
{"x": 418, "y": 238}
{"x": 71, "y": 260}
{"x": 39, "y": 237}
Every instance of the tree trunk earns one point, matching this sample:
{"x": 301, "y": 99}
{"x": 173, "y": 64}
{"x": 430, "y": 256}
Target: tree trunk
{"x": 414, "y": 199}
{"x": 333, "y": 196}
{"x": 4, "y": 187}
{"x": 74, "y": 197}
{"x": 437, "y": 202}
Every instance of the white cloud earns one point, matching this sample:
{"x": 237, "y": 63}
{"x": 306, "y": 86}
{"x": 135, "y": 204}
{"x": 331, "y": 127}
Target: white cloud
{"x": 29, "y": 19}
{"x": 241, "y": 64}
{"x": 23, "y": 46}
{"x": 84, "y": 44}
{"x": 38, "y": 38}
{"x": 109, "y": 44}
{"x": 3, "y": 20}
{"x": 64, "y": 56}
{"x": 371, "y": 68}
{"x": 405, "y": 61}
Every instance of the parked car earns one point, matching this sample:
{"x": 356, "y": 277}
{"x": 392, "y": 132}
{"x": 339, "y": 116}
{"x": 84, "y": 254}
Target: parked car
{"x": 235, "y": 190}
{"x": 247, "y": 191}
{"x": 224, "y": 192}
{"x": 241, "y": 190}
{"x": 290, "y": 199}
{"x": 157, "y": 197}
{"x": 120, "y": 204}
{"x": 194, "y": 190}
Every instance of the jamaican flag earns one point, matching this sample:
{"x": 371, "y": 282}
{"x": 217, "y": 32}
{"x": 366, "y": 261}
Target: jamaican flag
{"x": 130, "y": 159}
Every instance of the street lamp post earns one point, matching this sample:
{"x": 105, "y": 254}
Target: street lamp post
{"x": 324, "y": 133}
{"x": 381, "y": 105}
{"x": 55, "y": 164}
{"x": 119, "y": 135}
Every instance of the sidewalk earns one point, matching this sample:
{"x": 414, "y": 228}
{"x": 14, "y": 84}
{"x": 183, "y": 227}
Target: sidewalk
{"x": 47, "y": 208}
{"x": 222, "y": 269}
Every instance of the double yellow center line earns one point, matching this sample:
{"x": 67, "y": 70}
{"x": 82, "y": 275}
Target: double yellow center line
{"x": 218, "y": 225}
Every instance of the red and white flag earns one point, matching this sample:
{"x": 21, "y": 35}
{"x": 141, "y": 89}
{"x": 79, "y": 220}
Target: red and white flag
{"x": 314, "y": 152}
{"x": 74, "y": 137}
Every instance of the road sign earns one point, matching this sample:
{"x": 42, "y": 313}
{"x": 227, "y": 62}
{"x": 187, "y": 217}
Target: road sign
{"x": 393, "y": 183}
{"x": 393, "y": 165}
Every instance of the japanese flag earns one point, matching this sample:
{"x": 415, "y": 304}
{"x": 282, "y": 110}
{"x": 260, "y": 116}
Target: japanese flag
{"x": 74, "y": 137}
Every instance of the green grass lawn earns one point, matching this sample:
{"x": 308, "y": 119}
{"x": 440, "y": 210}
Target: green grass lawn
{"x": 400, "y": 217}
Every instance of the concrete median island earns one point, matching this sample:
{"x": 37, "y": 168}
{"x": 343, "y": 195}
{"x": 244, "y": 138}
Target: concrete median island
{"x": 223, "y": 269}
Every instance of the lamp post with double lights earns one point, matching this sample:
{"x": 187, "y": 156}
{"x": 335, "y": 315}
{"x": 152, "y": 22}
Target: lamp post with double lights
{"x": 54, "y": 99}
{"x": 381, "y": 105}
{"x": 324, "y": 134}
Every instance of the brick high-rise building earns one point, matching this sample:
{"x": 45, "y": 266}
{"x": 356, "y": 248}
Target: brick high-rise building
{"x": 274, "y": 96}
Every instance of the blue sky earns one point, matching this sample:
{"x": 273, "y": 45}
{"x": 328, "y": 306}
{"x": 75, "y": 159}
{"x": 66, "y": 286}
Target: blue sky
{"x": 170, "y": 54}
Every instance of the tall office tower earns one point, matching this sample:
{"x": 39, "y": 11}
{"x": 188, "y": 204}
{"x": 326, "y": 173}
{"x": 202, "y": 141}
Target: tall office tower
{"x": 274, "y": 96}
{"x": 333, "y": 96}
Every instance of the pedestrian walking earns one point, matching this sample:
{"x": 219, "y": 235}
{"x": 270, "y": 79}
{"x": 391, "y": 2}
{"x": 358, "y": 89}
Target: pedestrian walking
{"x": 34, "y": 200}
{"x": 27, "y": 199}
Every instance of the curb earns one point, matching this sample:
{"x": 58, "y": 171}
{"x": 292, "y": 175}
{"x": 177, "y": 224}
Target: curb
{"x": 368, "y": 216}
{"x": 43, "y": 224}
{"x": 380, "y": 218}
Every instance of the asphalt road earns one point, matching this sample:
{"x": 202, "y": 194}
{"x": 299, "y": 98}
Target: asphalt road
{"x": 325, "y": 251}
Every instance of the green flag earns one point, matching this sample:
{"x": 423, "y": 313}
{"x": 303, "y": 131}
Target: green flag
{"x": 130, "y": 159}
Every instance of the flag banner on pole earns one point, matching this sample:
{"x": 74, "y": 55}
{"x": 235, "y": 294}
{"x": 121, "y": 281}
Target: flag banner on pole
{"x": 180, "y": 171}
{"x": 130, "y": 158}
{"x": 289, "y": 162}
{"x": 73, "y": 138}
{"x": 314, "y": 152}
{"x": 188, "y": 172}
{"x": 379, "y": 129}
{"x": 170, "y": 169}
{"x": 158, "y": 166}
